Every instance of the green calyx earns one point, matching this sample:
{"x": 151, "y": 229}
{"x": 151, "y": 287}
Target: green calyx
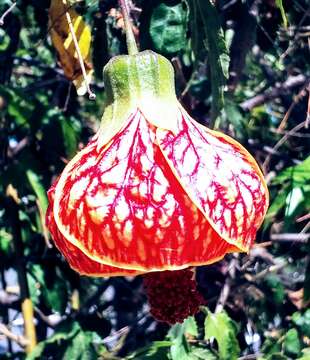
{"x": 143, "y": 81}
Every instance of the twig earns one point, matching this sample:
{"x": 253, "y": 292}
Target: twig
{"x": 51, "y": 320}
{"x": 303, "y": 218}
{"x": 268, "y": 270}
{"x": 281, "y": 142}
{"x": 290, "y": 83}
{"x": 226, "y": 288}
{"x": 296, "y": 134}
{"x": 7, "y": 299}
{"x": 6, "y": 13}
{"x": 305, "y": 228}
{"x": 19, "y": 147}
{"x": 293, "y": 42}
{"x": 308, "y": 109}
{"x": 299, "y": 237}
{"x": 19, "y": 339}
{"x": 250, "y": 357}
{"x": 65, "y": 107}
{"x": 302, "y": 93}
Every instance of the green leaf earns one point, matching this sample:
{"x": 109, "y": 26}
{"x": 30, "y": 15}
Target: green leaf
{"x": 168, "y": 27}
{"x": 179, "y": 349}
{"x": 277, "y": 356}
{"x": 158, "y": 350}
{"x": 298, "y": 174}
{"x": 224, "y": 330}
{"x": 202, "y": 354}
{"x": 211, "y": 36}
{"x": 275, "y": 284}
{"x": 233, "y": 115}
{"x": 305, "y": 354}
{"x": 4, "y": 40}
{"x": 292, "y": 344}
{"x": 190, "y": 326}
{"x": 278, "y": 203}
{"x": 64, "y": 332}
{"x": 56, "y": 296}
{"x": 279, "y": 4}
{"x": 38, "y": 188}
{"x": 46, "y": 282}
{"x": 35, "y": 277}
{"x": 271, "y": 346}
{"x": 70, "y": 136}
{"x": 81, "y": 347}
{"x": 293, "y": 200}
{"x": 302, "y": 321}
{"x": 5, "y": 241}
{"x": 19, "y": 109}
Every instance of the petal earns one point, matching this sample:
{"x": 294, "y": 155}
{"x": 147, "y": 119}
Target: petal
{"x": 77, "y": 260}
{"x": 221, "y": 178}
{"x": 123, "y": 206}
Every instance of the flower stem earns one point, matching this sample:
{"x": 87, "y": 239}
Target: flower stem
{"x": 130, "y": 38}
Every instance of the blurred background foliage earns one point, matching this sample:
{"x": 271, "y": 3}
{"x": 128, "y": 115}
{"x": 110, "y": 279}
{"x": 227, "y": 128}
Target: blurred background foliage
{"x": 241, "y": 67}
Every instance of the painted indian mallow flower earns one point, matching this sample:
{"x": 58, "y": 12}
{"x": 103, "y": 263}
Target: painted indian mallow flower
{"x": 154, "y": 192}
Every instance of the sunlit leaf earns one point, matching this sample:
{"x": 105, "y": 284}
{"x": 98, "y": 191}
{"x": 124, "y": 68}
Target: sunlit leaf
{"x": 299, "y": 174}
{"x": 305, "y": 354}
{"x": 302, "y": 321}
{"x": 180, "y": 348}
{"x": 191, "y": 327}
{"x": 223, "y": 329}
{"x": 292, "y": 344}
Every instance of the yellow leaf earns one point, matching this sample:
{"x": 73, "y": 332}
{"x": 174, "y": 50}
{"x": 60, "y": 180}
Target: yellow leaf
{"x": 64, "y": 44}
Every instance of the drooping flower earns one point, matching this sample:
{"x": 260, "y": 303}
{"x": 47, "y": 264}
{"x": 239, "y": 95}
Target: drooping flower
{"x": 154, "y": 191}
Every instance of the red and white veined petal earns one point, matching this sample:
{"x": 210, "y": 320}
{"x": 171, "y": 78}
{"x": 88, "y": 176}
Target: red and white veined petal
{"x": 123, "y": 206}
{"x": 77, "y": 260}
{"x": 220, "y": 177}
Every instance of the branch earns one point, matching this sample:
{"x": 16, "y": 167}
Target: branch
{"x": 19, "y": 339}
{"x": 265, "y": 272}
{"x": 281, "y": 142}
{"x": 6, "y": 13}
{"x": 290, "y": 83}
{"x": 227, "y": 286}
{"x": 8, "y": 300}
{"x": 299, "y": 237}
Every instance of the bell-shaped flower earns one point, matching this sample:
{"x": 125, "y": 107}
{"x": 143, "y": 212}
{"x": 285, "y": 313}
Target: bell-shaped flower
{"x": 154, "y": 191}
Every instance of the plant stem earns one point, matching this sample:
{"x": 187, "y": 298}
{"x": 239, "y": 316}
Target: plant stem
{"x": 130, "y": 38}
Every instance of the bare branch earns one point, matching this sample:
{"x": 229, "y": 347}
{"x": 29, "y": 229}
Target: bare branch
{"x": 6, "y": 13}
{"x": 291, "y": 83}
{"x": 301, "y": 238}
{"x": 19, "y": 339}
